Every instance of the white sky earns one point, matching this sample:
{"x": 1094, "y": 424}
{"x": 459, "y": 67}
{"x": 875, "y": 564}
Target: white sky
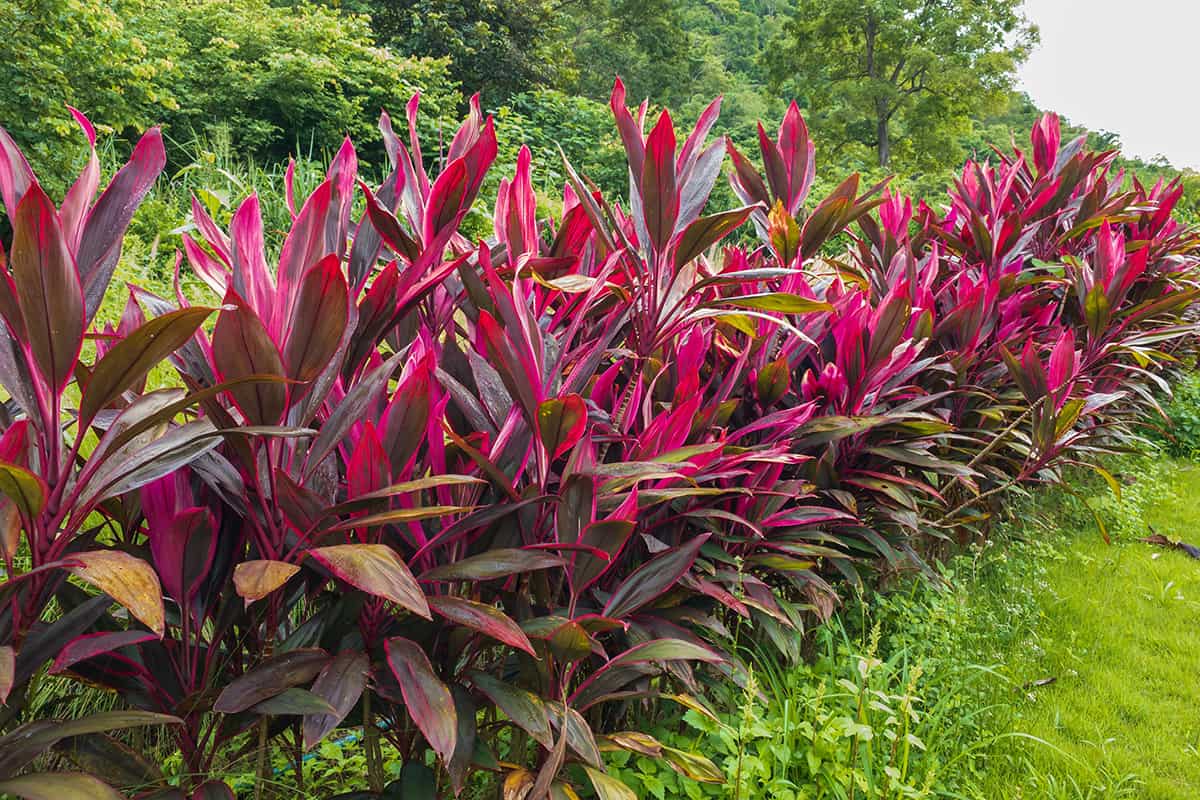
{"x": 1127, "y": 66}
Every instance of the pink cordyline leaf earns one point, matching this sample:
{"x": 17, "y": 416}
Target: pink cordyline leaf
{"x": 48, "y": 289}
{"x": 630, "y": 131}
{"x": 100, "y": 240}
{"x": 515, "y": 218}
{"x": 78, "y": 201}
{"x": 1046, "y": 136}
{"x": 660, "y": 200}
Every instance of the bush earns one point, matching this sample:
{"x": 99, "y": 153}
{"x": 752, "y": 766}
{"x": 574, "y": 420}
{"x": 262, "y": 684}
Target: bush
{"x": 484, "y": 499}
{"x": 276, "y": 81}
{"x": 1181, "y": 437}
{"x": 288, "y": 81}
{"x": 90, "y": 57}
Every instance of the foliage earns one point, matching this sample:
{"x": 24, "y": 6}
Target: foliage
{"x": 276, "y": 81}
{"x": 1181, "y": 433}
{"x": 499, "y": 47}
{"x": 856, "y": 717}
{"x": 269, "y": 74}
{"x": 900, "y": 75}
{"x": 552, "y": 125}
{"x": 906, "y": 694}
{"x": 89, "y": 57}
{"x": 484, "y": 497}
{"x": 969, "y": 655}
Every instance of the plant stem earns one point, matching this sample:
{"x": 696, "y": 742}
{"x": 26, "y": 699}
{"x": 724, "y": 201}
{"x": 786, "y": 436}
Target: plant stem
{"x": 374, "y": 753}
{"x": 261, "y": 773}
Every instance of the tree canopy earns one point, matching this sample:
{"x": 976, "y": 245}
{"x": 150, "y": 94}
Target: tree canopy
{"x": 902, "y": 78}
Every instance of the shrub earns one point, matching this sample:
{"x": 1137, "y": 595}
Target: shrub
{"x": 485, "y": 499}
{"x": 278, "y": 81}
{"x": 288, "y": 81}
{"x": 1181, "y": 432}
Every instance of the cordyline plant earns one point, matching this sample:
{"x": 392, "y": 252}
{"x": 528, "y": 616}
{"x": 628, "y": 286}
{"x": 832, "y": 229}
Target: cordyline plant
{"x": 488, "y": 499}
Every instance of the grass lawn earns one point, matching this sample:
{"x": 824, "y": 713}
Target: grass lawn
{"x": 1120, "y": 636}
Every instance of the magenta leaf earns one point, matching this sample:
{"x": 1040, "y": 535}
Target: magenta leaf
{"x": 47, "y": 286}
{"x": 94, "y": 644}
{"x": 660, "y": 200}
{"x": 242, "y": 347}
{"x": 483, "y": 618}
{"x": 100, "y": 243}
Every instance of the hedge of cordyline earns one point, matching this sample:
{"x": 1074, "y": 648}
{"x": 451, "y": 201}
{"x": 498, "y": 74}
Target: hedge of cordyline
{"x": 485, "y": 499}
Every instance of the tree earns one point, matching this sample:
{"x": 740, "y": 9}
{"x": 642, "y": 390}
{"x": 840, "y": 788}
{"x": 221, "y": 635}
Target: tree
{"x": 900, "y": 77}
{"x": 81, "y": 53}
{"x": 496, "y": 47}
{"x": 277, "y": 78}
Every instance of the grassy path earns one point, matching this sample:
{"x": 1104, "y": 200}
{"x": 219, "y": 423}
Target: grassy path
{"x": 1120, "y": 636}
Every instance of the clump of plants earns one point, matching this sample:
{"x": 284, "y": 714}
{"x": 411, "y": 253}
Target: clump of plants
{"x": 485, "y": 499}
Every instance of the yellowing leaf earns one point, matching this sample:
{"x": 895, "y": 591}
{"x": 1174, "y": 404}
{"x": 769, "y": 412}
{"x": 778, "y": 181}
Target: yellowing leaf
{"x": 608, "y": 787}
{"x": 130, "y": 581}
{"x": 254, "y": 580}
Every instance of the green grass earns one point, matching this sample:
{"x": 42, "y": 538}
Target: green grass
{"x": 1119, "y": 631}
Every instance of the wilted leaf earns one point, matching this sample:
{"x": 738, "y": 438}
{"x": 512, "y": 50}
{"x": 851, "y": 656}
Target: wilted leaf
{"x": 254, "y": 580}
{"x": 609, "y": 788}
{"x": 693, "y": 765}
{"x": 8, "y": 671}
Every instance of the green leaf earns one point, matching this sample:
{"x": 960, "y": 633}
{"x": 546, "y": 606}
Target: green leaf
{"x": 499, "y": 563}
{"x": 525, "y": 709}
{"x": 561, "y": 423}
{"x": 293, "y": 701}
{"x": 26, "y": 490}
{"x": 131, "y": 358}
{"x": 781, "y": 302}
{"x": 270, "y": 678}
{"x": 706, "y": 231}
